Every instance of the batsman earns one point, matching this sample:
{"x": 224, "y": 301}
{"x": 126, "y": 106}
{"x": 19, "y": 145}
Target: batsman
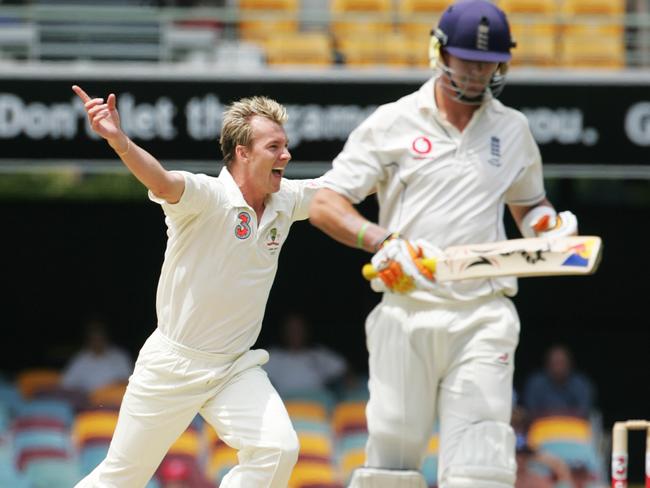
{"x": 444, "y": 162}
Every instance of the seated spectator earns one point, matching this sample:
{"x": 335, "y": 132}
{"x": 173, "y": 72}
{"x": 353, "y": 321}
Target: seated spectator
{"x": 536, "y": 469}
{"x": 99, "y": 363}
{"x": 558, "y": 389}
{"x": 298, "y": 364}
{"x": 173, "y": 473}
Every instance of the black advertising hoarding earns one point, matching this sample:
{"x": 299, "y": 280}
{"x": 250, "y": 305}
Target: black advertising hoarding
{"x": 593, "y": 121}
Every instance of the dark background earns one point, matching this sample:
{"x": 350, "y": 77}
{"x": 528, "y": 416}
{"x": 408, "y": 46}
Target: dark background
{"x": 65, "y": 261}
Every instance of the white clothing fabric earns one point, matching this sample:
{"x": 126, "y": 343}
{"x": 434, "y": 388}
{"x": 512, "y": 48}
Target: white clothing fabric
{"x": 170, "y": 384}
{"x": 220, "y": 262}
{"x": 386, "y": 478}
{"x": 438, "y": 184}
{"x": 309, "y": 369}
{"x": 88, "y": 371}
{"x": 448, "y": 351}
{"x": 452, "y": 361}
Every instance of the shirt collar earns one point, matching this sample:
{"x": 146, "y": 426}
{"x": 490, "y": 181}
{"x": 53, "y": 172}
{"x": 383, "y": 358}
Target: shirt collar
{"x": 275, "y": 202}
{"x": 234, "y": 194}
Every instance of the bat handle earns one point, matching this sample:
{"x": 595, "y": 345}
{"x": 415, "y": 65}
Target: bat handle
{"x": 369, "y": 272}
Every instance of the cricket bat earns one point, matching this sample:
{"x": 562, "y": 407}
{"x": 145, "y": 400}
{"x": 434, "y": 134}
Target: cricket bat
{"x": 539, "y": 256}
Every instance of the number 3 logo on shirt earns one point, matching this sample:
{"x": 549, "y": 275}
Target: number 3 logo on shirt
{"x": 243, "y": 228}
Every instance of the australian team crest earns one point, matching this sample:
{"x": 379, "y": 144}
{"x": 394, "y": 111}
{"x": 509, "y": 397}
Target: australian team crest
{"x": 273, "y": 240}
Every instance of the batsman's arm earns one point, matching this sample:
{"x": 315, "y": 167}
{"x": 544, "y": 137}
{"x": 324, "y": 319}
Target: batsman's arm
{"x": 336, "y": 216}
{"x": 518, "y": 212}
{"x": 105, "y": 121}
{"x": 541, "y": 220}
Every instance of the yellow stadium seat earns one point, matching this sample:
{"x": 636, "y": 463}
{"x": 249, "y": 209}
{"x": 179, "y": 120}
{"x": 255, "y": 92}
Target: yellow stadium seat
{"x": 210, "y": 436}
{"x": 109, "y": 395}
{"x": 315, "y": 445}
{"x": 220, "y": 460}
{"x": 546, "y": 429}
{"x": 432, "y": 447}
{"x": 536, "y": 44}
{"x": 32, "y": 380}
{"x": 398, "y": 50}
{"x": 418, "y": 49}
{"x": 546, "y": 7}
{"x": 391, "y": 49}
{"x": 351, "y": 460}
{"x": 93, "y": 424}
{"x": 188, "y": 443}
{"x": 309, "y": 48}
{"x": 262, "y": 19}
{"x": 600, "y": 50}
{"x": 349, "y": 417}
{"x": 361, "y": 50}
{"x": 361, "y": 17}
{"x": 418, "y": 17}
{"x": 310, "y": 473}
{"x": 593, "y": 33}
{"x": 306, "y": 410}
{"x": 602, "y": 7}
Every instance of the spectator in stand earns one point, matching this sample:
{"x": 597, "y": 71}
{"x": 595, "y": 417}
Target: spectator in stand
{"x": 559, "y": 389}
{"x": 536, "y": 469}
{"x": 181, "y": 473}
{"x": 298, "y": 364}
{"x": 98, "y": 363}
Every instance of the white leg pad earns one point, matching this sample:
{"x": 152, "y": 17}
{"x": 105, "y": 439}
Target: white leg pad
{"x": 485, "y": 458}
{"x": 386, "y": 478}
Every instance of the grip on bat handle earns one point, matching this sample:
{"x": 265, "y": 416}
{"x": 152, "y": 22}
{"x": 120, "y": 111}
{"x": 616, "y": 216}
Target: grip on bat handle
{"x": 369, "y": 272}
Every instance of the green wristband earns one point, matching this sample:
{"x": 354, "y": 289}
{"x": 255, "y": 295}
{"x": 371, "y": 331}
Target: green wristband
{"x": 361, "y": 234}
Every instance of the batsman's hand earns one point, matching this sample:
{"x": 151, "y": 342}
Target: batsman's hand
{"x": 562, "y": 225}
{"x": 102, "y": 116}
{"x": 400, "y": 268}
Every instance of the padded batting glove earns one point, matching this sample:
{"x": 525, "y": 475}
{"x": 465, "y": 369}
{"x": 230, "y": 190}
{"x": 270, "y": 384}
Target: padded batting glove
{"x": 399, "y": 267}
{"x": 543, "y": 221}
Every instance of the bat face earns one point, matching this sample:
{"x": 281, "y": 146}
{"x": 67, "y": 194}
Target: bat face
{"x": 572, "y": 255}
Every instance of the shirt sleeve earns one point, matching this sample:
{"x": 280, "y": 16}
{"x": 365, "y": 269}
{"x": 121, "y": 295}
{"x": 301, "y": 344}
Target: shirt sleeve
{"x": 304, "y": 191}
{"x": 330, "y": 365}
{"x": 528, "y": 187}
{"x": 199, "y": 190}
{"x": 359, "y": 167}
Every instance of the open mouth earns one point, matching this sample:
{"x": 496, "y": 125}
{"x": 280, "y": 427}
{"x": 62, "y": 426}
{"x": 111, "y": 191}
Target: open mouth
{"x": 278, "y": 171}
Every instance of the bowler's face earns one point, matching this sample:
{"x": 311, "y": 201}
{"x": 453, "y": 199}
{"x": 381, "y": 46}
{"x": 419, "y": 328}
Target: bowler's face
{"x": 268, "y": 154}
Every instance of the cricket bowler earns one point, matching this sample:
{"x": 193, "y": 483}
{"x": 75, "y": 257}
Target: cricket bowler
{"x": 224, "y": 238}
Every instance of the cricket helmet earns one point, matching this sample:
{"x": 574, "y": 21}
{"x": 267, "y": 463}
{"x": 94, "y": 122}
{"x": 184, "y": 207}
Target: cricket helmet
{"x": 473, "y": 30}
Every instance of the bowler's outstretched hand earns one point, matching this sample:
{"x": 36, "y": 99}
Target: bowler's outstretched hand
{"x": 103, "y": 118}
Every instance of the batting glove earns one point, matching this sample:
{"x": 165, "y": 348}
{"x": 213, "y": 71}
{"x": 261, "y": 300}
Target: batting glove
{"x": 543, "y": 221}
{"x": 399, "y": 267}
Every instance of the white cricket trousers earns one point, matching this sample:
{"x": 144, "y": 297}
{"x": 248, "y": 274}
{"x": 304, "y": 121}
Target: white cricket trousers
{"x": 454, "y": 361}
{"x": 169, "y": 385}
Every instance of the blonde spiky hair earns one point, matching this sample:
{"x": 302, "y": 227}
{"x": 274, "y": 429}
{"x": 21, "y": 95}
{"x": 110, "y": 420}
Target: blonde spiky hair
{"x": 236, "y": 127}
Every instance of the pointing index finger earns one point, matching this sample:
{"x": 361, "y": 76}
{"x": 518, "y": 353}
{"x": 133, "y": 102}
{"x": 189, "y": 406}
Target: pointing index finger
{"x": 111, "y": 101}
{"x": 82, "y": 94}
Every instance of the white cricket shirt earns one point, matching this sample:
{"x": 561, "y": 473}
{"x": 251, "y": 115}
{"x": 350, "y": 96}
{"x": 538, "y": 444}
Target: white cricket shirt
{"x": 435, "y": 183}
{"x": 219, "y": 263}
